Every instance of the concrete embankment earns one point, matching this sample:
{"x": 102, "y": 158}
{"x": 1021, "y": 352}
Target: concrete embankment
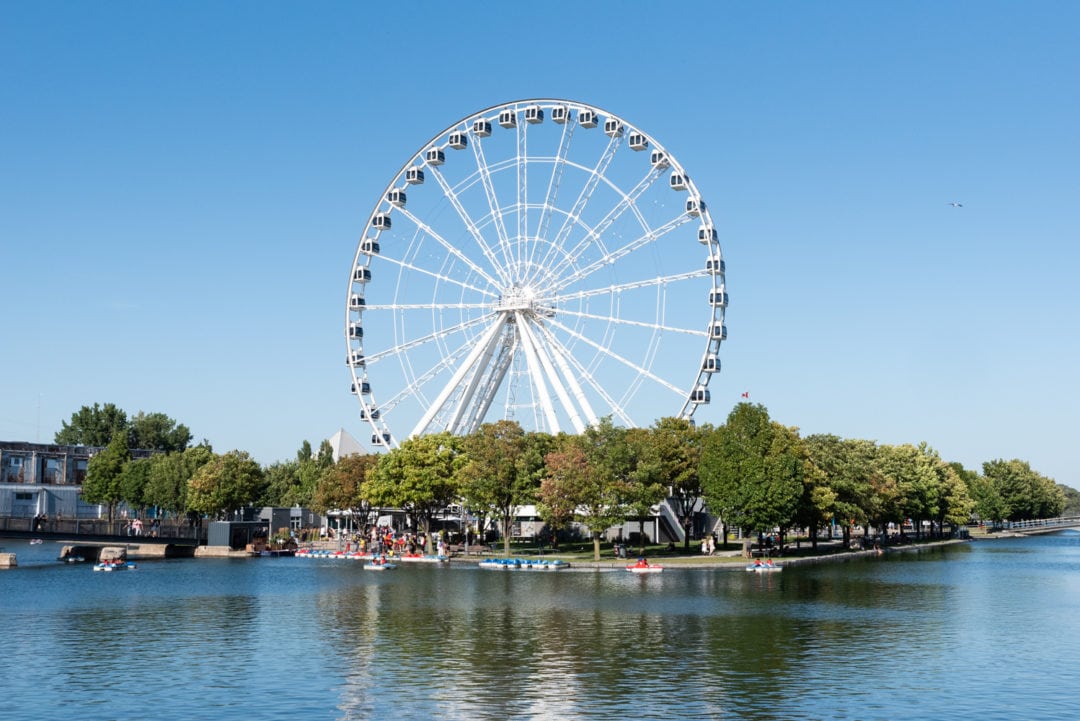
{"x": 128, "y": 551}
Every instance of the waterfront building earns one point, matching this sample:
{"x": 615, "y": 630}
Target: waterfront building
{"x": 46, "y": 479}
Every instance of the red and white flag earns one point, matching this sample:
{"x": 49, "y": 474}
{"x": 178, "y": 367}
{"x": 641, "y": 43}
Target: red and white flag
{"x": 746, "y": 394}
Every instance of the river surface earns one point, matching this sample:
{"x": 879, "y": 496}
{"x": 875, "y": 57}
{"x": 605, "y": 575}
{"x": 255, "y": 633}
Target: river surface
{"x": 987, "y": 630}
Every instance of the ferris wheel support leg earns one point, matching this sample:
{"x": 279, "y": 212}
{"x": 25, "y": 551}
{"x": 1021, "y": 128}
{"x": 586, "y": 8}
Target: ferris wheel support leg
{"x": 470, "y": 362}
{"x": 575, "y": 387}
{"x": 470, "y": 389}
{"x": 536, "y": 372}
{"x": 556, "y": 382}
{"x": 490, "y": 387}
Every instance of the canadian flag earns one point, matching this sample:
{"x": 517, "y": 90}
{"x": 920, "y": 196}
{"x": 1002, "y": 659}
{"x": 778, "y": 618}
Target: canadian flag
{"x": 746, "y": 394}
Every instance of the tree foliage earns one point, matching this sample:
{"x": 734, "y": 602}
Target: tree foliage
{"x": 419, "y": 476}
{"x": 157, "y": 432}
{"x": 169, "y": 475}
{"x": 341, "y": 485}
{"x": 103, "y": 472}
{"x": 675, "y": 448}
{"x": 1025, "y": 493}
{"x": 93, "y": 426}
{"x": 501, "y": 473}
{"x": 225, "y": 484}
{"x": 753, "y": 470}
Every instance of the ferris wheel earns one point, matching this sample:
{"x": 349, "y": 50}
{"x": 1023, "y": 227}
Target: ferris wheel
{"x": 543, "y": 261}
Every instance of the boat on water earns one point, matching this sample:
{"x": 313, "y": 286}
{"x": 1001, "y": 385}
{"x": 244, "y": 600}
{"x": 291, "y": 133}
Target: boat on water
{"x": 643, "y": 567}
{"x": 379, "y": 564}
{"x": 114, "y": 566}
{"x": 36, "y": 541}
{"x": 763, "y": 567}
{"x": 523, "y": 564}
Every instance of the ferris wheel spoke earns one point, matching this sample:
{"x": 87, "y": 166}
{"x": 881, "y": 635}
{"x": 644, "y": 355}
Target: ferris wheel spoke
{"x": 632, "y": 285}
{"x": 636, "y": 323}
{"x": 621, "y": 359}
{"x": 495, "y": 209}
{"x": 415, "y": 386}
{"x": 426, "y": 306}
{"x": 621, "y": 252}
{"x": 554, "y": 182}
{"x": 423, "y": 340}
{"x": 438, "y": 276}
{"x": 522, "y": 208}
{"x": 574, "y": 214}
{"x": 593, "y": 237}
{"x": 450, "y": 247}
{"x": 585, "y": 375}
{"x": 470, "y": 224}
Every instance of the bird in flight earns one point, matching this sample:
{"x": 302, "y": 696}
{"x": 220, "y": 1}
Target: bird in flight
{"x": 957, "y": 205}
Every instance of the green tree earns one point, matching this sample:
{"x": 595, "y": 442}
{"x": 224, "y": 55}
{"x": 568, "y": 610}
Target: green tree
{"x": 167, "y": 485}
{"x": 157, "y": 432}
{"x": 754, "y": 468}
{"x": 1026, "y": 493}
{"x": 103, "y": 472}
{"x": 645, "y": 488}
{"x": 594, "y": 471}
{"x": 226, "y": 484}
{"x": 1072, "y": 501}
{"x": 499, "y": 473}
{"x": 92, "y": 426}
{"x": 847, "y": 466}
{"x": 676, "y": 448}
{"x": 419, "y": 476}
{"x": 134, "y": 481}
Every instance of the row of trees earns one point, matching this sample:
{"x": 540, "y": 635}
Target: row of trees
{"x": 751, "y": 472}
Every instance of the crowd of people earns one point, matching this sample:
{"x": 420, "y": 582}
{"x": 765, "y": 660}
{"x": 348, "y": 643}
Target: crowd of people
{"x": 378, "y": 540}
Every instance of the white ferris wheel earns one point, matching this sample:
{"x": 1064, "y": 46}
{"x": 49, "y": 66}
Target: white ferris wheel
{"x": 543, "y": 261}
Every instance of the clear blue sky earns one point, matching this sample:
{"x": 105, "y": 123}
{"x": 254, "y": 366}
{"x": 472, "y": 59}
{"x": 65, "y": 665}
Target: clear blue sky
{"x": 182, "y": 186}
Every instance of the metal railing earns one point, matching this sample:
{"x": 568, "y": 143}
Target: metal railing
{"x": 1042, "y": 524}
{"x": 76, "y": 527}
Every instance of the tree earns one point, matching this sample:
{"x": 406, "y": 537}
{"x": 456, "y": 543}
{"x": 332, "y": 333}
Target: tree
{"x": 92, "y": 426}
{"x": 676, "y": 447}
{"x": 103, "y": 471}
{"x": 499, "y": 473}
{"x": 1072, "y": 501}
{"x": 157, "y": 432}
{"x": 754, "y": 468}
{"x": 226, "y": 484}
{"x": 847, "y": 466}
{"x": 134, "y": 480}
{"x": 1026, "y": 493}
{"x": 646, "y": 487}
{"x": 419, "y": 476}
{"x": 566, "y": 475}
{"x": 591, "y": 473}
{"x": 564, "y": 466}
{"x": 340, "y": 486}
{"x": 167, "y": 485}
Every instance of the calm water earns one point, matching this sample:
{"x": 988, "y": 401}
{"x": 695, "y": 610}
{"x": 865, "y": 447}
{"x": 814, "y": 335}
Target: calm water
{"x": 988, "y": 630}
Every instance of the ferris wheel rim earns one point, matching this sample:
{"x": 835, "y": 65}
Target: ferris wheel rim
{"x": 556, "y": 353}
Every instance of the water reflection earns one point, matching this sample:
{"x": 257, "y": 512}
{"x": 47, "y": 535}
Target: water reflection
{"x": 982, "y": 631}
